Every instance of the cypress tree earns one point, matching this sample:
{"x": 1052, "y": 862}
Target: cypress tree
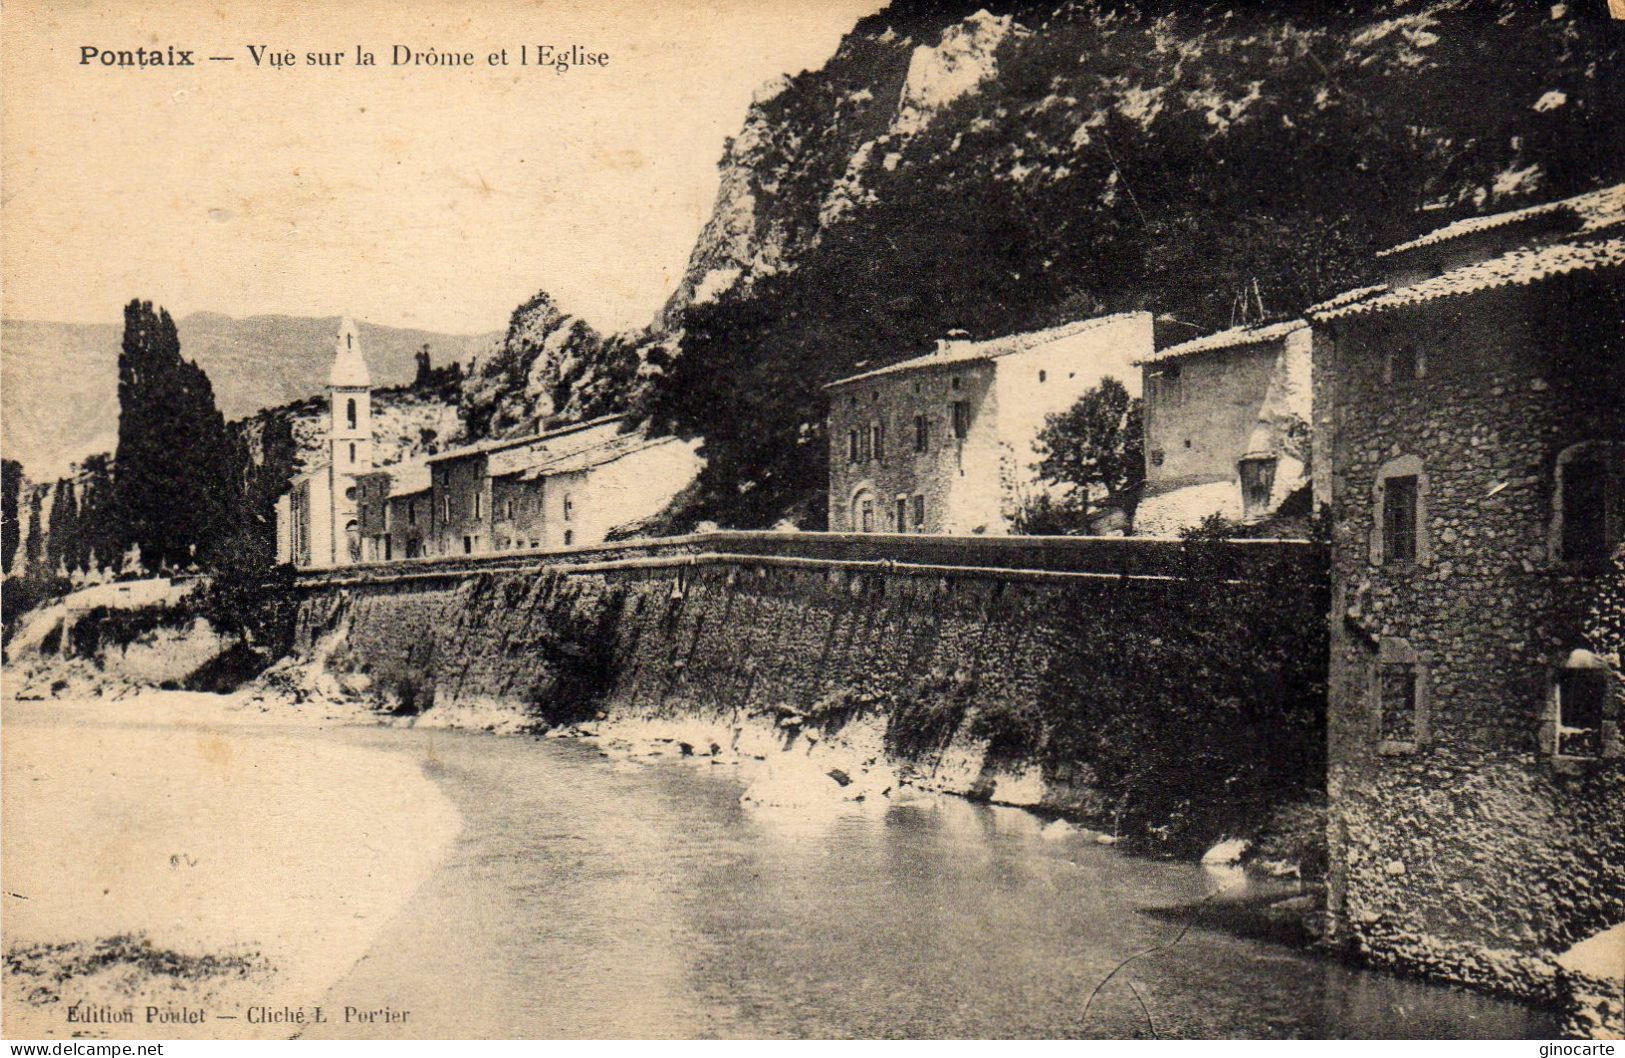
{"x": 178, "y": 487}
{"x": 11, "y": 536}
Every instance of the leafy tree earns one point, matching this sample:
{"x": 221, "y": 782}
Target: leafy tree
{"x": 1096, "y": 448}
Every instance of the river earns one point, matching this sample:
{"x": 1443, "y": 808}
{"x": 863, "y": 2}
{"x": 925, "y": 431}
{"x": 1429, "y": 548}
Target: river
{"x": 593, "y": 897}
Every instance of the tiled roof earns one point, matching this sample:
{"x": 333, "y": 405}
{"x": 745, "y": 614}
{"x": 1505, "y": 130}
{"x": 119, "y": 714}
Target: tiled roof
{"x": 1595, "y": 209}
{"x": 1228, "y": 339}
{"x": 408, "y": 478}
{"x": 596, "y": 456}
{"x": 962, "y": 352}
{"x": 515, "y": 442}
{"x": 1515, "y": 268}
{"x": 1347, "y": 297}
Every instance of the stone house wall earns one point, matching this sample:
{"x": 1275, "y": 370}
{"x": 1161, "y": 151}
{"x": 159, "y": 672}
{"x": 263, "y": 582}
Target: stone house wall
{"x": 1464, "y": 848}
{"x": 950, "y": 475}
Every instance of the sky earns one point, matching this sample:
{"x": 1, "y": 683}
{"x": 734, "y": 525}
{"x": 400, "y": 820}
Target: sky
{"x": 428, "y": 196}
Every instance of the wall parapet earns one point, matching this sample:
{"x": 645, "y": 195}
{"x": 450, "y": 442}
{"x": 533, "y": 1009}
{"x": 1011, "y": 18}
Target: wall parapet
{"x": 1026, "y": 557}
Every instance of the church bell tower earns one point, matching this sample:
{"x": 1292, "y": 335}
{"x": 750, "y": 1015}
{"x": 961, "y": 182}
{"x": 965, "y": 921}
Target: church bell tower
{"x": 349, "y": 437}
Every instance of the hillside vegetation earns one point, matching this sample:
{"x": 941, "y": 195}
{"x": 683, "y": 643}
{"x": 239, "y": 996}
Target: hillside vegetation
{"x": 1002, "y": 167}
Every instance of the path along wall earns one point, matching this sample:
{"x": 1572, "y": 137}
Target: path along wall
{"x": 1174, "y": 693}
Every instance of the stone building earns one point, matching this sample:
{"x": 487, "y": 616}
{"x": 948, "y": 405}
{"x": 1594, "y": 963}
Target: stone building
{"x": 460, "y": 486}
{"x": 575, "y": 497}
{"x": 943, "y": 443}
{"x": 1470, "y": 416}
{"x": 392, "y": 509}
{"x": 1226, "y": 426}
{"x": 317, "y": 522}
{"x": 562, "y": 488}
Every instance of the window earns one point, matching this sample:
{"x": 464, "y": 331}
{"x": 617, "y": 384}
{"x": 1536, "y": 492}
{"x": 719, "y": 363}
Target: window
{"x": 1257, "y": 485}
{"x": 445, "y": 509}
{"x": 569, "y": 537}
{"x": 919, "y": 512}
{"x": 1399, "y": 697}
{"x": 1397, "y": 701}
{"x": 569, "y": 509}
{"x": 352, "y": 451}
{"x": 468, "y": 545}
{"x": 349, "y": 413}
{"x": 1043, "y": 376}
{"x": 1399, "y": 513}
{"x": 1585, "y": 510}
{"x": 1170, "y": 385}
{"x": 1399, "y": 520}
{"x": 956, "y": 382}
{"x": 902, "y": 514}
{"x": 852, "y": 446}
{"x": 508, "y": 509}
{"x": 1156, "y": 457}
{"x": 877, "y": 440}
{"x": 922, "y": 433}
{"x": 389, "y": 548}
{"x": 411, "y": 512}
{"x": 1587, "y": 515}
{"x": 866, "y": 515}
{"x": 1404, "y": 365}
{"x": 349, "y": 493}
{"x": 961, "y": 419}
{"x": 1582, "y": 695}
{"x": 477, "y": 499}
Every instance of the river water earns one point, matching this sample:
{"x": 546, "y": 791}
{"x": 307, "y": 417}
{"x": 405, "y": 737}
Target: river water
{"x": 592, "y": 897}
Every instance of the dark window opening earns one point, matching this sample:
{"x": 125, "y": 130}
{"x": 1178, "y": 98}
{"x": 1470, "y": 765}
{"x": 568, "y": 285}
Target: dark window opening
{"x": 1404, "y": 365}
{"x": 1585, "y": 510}
{"x": 1257, "y": 485}
{"x": 852, "y": 446}
{"x": 1156, "y": 457}
{"x": 1399, "y": 519}
{"x": 1581, "y": 694}
{"x": 1397, "y": 703}
{"x": 877, "y": 441}
{"x": 468, "y": 545}
{"x": 919, "y": 512}
{"x": 961, "y": 419}
{"x": 902, "y": 515}
{"x": 349, "y": 412}
{"x": 922, "y": 433}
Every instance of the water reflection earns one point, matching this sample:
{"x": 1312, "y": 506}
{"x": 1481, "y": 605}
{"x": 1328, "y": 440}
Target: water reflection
{"x": 587, "y": 898}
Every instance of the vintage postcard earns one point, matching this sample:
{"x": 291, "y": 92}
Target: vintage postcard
{"x": 813, "y": 519}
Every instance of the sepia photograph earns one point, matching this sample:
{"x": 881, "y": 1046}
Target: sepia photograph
{"x": 823, "y": 520}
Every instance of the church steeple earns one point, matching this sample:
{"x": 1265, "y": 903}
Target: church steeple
{"x": 349, "y": 395}
{"x": 349, "y": 366}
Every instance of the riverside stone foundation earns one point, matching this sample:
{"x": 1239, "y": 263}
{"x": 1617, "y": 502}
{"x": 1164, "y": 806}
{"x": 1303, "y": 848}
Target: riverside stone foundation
{"x": 1056, "y": 673}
